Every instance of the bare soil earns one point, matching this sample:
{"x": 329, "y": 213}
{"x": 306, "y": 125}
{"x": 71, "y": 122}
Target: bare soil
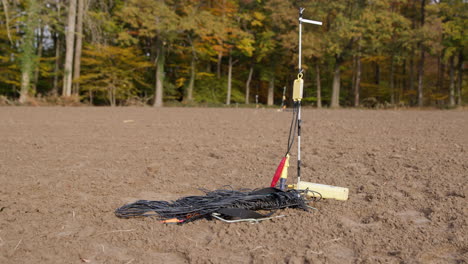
{"x": 64, "y": 170}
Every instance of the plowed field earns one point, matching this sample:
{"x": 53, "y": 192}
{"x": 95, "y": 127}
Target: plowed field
{"x": 63, "y": 172}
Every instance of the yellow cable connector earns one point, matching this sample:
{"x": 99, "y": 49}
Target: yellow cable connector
{"x": 284, "y": 174}
{"x": 322, "y": 190}
{"x": 298, "y": 88}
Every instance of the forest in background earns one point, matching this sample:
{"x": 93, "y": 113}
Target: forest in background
{"x": 188, "y": 52}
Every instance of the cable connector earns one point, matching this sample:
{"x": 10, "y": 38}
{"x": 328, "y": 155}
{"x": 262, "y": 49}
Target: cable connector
{"x": 284, "y": 174}
{"x": 298, "y": 88}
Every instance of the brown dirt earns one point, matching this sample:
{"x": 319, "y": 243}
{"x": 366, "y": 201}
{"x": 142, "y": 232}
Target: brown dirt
{"x": 63, "y": 172}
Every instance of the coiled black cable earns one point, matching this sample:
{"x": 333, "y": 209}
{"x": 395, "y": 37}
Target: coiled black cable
{"x": 195, "y": 207}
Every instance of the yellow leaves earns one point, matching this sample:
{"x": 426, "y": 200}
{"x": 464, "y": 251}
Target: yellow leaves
{"x": 370, "y": 86}
{"x": 108, "y": 67}
{"x": 258, "y": 19}
{"x": 15, "y": 82}
{"x": 454, "y": 30}
{"x": 205, "y": 74}
{"x": 256, "y": 23}
{"x": 439, "y": 96}
{"x": 218, "y": 48}
{"x": 246, "y": 46}
{"x": 47, "y": 69}
{"x": 259, "y": 16}
{"x": 180, "y": 81}
{"x": 377, "y": 58}
{"x": 204, "y": 50}
{"x": 89, "y": 76}
{"x": 126, "y": 38}
{"x": 4, "y": 59}
{"x": 89, "y": 61}
{"x": 152, "y": 18}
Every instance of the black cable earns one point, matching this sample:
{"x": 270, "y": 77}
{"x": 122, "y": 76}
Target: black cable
{"x": 294, "y": 121}
{"x": 290, "y": 130}
{"x": 191, "y": 208}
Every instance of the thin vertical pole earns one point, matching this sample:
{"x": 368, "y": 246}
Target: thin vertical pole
{"x": 299, "y": 142}
{"x": 301, "y": 10}
{"x": 299, "y": 102}
{"x": 300, "y": 39}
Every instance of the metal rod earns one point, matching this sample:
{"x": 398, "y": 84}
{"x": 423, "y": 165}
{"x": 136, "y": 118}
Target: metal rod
{"x": 310, "y": 21}
{"x": 301, "y": 10}
{"x": 300, "y": 46}
{"x": 299, "y": 142}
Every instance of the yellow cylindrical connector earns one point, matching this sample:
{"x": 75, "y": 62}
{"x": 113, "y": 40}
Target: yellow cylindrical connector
{"x": 284, "y": 172}
{"x": 322, "y": 190}
{"x": 298, "y": 88}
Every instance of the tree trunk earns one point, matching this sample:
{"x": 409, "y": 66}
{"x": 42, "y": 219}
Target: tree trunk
{"x": 452, "y": 81}
{"x": 193, "y": 68}
{"x": 218, "y": 65}
{"x": 401, "y": 83}
{"x": 319, "y": 85}
{"x": 28, "y": 52}
{"x": 57, "y": 63}
{"x": 271, "y": 91}
{"x": 247, "y": 84}
{"x": 440, "y": 72}
{"x": 411, "y": 73}
{"x": 70, "y": 40}
{"x": 442, "y": 77}
{"x": 111, "y": 95}
{"x": 228, "y": 96}
{"x": 25, "y": 82}
{"x": 420, "y": 79}
{"x": 392, "y": 81}
{"x": 7, "y": 22}
{"x": 377, "y": 73}
{"x": 335, "y": 100}
{"x": 192, "y": 81}
{"x": 38, "y": 59}
{"x": 460, "y": 77}
{"x": 353, "y": 75}
{"x": 357, "y": 86}
{"x": 160, "y": 61}
{"x": 78, "y": 47}
{"x": 91, "y": 98}
{"x": 421, "y": 61}
{"x": 57, "y": 54}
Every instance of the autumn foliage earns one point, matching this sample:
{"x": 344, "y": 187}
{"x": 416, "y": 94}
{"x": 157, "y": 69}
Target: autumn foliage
{"x": 367, "y": 53}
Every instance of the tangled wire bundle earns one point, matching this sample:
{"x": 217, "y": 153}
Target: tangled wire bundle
{"x": 191, "y": 208}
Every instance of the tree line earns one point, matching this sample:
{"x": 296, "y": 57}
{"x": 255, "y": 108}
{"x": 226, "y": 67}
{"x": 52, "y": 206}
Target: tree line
{"x": 117, "y": 52}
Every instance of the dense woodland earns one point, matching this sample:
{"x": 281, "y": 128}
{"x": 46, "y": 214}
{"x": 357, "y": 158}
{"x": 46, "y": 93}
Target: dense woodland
{"x": 186, "y": 52}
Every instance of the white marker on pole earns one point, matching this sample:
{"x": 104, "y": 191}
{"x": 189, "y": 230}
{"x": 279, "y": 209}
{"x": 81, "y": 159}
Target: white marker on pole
{"x": 303, "y": 20}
